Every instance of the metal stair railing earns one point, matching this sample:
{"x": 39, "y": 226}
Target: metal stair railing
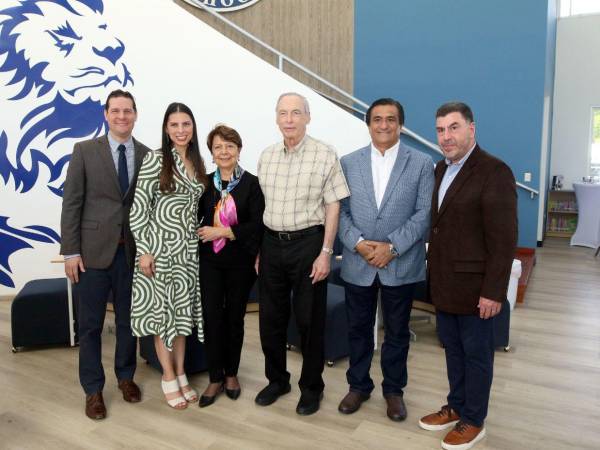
{"x": 282, "y": 58}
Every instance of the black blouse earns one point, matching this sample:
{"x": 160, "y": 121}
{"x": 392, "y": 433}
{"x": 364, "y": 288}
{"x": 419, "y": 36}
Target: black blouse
{"x": 250, "y": 205}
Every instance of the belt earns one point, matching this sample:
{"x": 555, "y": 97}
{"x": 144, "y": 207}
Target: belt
{"x": 293, "y": 235}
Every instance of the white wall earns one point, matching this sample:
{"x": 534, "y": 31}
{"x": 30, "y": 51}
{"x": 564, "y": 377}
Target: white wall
{"x": 172, "y": 56}
{"x": 576, "y": 91}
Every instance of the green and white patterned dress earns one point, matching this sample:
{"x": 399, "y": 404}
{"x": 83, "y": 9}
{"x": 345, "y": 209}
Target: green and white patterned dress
{"x": 164, "y": 225}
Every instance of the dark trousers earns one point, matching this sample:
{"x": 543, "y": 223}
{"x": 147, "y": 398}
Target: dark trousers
{"x": 284, "y": 272}
{"x": 361, "y": 308}
{"x": 93, "y": 289}
{"x": 225, "y": 292}
{"x": 469, "y": 344}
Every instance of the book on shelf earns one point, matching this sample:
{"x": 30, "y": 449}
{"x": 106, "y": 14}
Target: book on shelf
{"x": 562, "y": 206}
{"x": 563, "y": 224}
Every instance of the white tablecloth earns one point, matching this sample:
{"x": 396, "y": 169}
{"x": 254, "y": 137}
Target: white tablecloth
{"x": 588, "y": 222}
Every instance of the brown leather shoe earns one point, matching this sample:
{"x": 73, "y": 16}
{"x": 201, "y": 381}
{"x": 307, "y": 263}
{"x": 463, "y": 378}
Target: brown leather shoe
{"x": 352, "y": 401}
{"x": 94, "y": 406}
{"x": 444, "y": 418}
{"x": 396, "y": 409}
{"x": 463, "y": 436}
{"x": 131, "y": 392}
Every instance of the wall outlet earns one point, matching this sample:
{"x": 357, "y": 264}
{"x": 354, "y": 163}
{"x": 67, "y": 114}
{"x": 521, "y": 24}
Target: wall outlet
{"x": 527, "y": 177}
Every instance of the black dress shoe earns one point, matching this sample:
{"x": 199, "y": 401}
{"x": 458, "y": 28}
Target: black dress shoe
{"x": 396, "y": 409}
{"x": 352, "y": 401}
{"x": 233, "y": 394}
{"x": 309, "y": 404}
{"x": 271, "y": 393}
{"x": 207, "y": 400}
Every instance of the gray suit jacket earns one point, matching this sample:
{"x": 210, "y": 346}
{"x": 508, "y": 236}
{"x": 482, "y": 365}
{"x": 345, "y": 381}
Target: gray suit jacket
{"x": 402, "y": 219}
{"x": 93, "y": 211}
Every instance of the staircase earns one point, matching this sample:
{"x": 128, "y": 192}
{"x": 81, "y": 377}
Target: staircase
{"x": 320, "y": 85}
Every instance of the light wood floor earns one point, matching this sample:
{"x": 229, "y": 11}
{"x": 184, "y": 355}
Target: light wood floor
{"x": 546, "y": 392}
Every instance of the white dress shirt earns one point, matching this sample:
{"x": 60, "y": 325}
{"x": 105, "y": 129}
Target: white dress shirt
{"x": 381, "y": 169}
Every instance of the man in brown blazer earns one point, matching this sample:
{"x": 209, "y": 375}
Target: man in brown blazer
{"x": 471, "y": 249}
{"x": 98, "y": 247}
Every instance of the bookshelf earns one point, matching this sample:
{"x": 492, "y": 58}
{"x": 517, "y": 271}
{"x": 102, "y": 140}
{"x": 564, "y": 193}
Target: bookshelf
{"x": 561, "y": 217}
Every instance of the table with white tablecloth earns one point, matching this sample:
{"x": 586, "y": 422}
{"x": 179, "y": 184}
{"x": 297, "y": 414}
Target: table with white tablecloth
{"x": 588, "y": 222}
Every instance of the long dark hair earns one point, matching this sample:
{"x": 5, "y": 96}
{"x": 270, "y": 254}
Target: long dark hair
{"x": 167, "y": 173}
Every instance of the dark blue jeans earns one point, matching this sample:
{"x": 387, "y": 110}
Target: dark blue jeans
{"x": 361, "y": 307}
{"x": 469, "y": 344}
{"x": 93, "y": 289}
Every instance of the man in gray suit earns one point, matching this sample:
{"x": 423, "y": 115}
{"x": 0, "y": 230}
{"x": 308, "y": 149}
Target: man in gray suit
{"x": 383, "y": 225}
{"x": 98, "y": 246}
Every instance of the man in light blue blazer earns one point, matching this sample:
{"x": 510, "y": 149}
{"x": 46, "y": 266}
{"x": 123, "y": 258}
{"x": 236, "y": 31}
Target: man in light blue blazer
{"x": 383, "y": 226}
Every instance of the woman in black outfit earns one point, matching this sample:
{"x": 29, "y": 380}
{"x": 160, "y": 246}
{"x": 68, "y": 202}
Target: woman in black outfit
{"x": 230, "y": 212}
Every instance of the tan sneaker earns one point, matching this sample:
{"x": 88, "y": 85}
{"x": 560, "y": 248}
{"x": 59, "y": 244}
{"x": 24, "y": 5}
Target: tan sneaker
{"x": 444, "y": 418}
{"x": 463, "y": 436}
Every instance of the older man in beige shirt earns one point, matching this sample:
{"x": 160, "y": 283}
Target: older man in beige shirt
{"x": 302, "y": 182}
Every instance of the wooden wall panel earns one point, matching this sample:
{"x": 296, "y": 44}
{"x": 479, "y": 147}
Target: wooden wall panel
{"x": 319, "y": 34}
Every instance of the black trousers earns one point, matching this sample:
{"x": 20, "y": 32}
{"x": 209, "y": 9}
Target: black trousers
{"x": 225, "y": 291}
{"x": 284, "y": 272}
{"x": 93, "y": 289}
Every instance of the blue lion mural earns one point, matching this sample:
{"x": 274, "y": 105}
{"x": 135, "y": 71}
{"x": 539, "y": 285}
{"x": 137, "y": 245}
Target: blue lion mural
{"x": 58, "y": 62}
{"x": 13, "y": 240}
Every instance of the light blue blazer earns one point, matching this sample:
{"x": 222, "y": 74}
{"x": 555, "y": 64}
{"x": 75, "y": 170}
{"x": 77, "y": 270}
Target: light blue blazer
{"x": 402, "y": 219}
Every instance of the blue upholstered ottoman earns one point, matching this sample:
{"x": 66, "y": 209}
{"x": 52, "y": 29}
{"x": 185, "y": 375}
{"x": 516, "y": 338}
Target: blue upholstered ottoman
{"x": 40, "y": 314}
{"x": 195, "y": 359}
{"x": 336, "y": 326}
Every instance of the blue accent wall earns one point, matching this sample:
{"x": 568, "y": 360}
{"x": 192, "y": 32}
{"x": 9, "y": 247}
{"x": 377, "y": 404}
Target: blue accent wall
{"x": 493, "y": 55}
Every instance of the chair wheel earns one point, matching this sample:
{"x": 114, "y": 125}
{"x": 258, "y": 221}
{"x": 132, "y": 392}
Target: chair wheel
{"x": 507, "y": 348}
{"x": 330, "y": 363}
{"x": 14, "y": 350}
{"x": 288, "y": 346}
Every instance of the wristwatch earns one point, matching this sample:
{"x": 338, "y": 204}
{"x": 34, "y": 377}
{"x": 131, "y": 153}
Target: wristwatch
{"x": 327, "y": 250}
{"x": 393, "y": 251}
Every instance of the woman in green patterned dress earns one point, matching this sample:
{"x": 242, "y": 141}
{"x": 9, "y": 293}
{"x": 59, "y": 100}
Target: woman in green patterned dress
{"x": 166, "y": 289}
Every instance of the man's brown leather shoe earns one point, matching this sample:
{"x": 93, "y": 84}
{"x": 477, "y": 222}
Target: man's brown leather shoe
{"x": 463, "y": 436}
{"x": 396, "y": 410}
{"x": 352, "y": 401}
{"x": 444, "y": 418}
{"x": 94, "y": 406}
{"x": 131, "y": 392}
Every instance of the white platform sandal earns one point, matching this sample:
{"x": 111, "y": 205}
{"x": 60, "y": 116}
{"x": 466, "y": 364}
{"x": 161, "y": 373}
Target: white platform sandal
{"x": 190, "y": 394}
{"x": 172, "y": 387}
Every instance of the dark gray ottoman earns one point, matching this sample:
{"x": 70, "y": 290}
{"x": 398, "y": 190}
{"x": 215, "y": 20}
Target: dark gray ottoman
{"x": 195, "y": 360}
{"x": 40, "y": 314}
{"x": 336, "y": 326}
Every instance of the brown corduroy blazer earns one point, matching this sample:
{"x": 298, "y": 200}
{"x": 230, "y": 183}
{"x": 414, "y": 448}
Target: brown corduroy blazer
{"x": 473, "y": 235}
{"x": 93, "y": 210}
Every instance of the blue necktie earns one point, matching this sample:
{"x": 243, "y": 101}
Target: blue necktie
{"x": 123, "y": 175}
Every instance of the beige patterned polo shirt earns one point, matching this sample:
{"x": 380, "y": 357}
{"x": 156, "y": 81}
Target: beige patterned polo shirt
{"x": 298, "y": 184}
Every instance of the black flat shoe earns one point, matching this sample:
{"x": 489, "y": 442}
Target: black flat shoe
{"x": 233, "y": 394}
{"x": 271, "y": 393}
{"x": 309, "y": 404}
{"x": 207, "y": 400}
